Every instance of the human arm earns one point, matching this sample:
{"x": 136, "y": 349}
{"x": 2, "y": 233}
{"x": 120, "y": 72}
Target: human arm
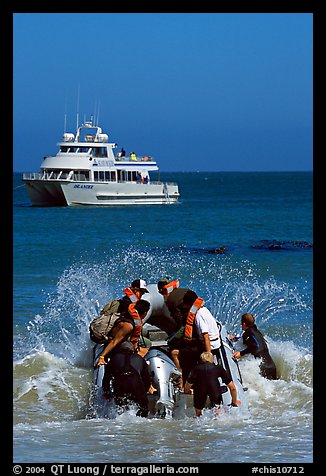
{"x": 251, "y": 344}
{"x": 123, "y": 330}
{"x": 207, "y": 342}
{"x": 239, "y": 354}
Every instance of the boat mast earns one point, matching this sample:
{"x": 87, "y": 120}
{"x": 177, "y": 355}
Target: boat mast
{"x": 65, "y": 117}
{"x": 77, "y": 118}
{"x": 98, "y": 114}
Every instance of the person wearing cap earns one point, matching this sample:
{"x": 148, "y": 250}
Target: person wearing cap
{"x": 133, "y": 293}
{"x": 204, "y": 379}
{"x": 256, "y": 345}
{"x": 130, "y": 377}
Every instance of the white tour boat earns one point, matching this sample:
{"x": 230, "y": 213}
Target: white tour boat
{"x": 86, "y": 171}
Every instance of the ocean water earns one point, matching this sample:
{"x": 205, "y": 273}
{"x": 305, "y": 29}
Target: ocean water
{"x": 67, "y": 258}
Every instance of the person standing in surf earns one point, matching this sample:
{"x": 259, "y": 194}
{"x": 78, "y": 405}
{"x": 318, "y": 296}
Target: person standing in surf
{"x": 204, "y": 379}
{"x": 256, "y": 345}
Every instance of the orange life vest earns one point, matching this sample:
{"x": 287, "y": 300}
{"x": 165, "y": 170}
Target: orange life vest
{"x": 168, "y": 288}
{"x": 138, "y": 324}
{"x": 191, "y": 317}
{"x": 131, "y": 295}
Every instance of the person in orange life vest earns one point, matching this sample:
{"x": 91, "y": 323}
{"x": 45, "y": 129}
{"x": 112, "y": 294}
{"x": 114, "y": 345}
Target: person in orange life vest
{"x": 127, "y": 328}
{"x": 132, "y": 294}
{"x": 204, "y": 378}
{"x": 187, "y": 344}
{"x": 173, "y": 297}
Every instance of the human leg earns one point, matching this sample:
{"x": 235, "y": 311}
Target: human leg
{"x": 200, "y": 396}
{"x": 175, "y": 358}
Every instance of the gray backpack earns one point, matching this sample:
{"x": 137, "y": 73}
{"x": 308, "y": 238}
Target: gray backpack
{"x": 101, "y": 326}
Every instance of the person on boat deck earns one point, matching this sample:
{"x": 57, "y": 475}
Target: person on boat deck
{"x": 130, "y": 378}
{"x": 133, "y": 156}
{"x": 256, "y": 345}
{"x": 187, "y": 343}
{"x": 123, "y": 152}
{"x": 204, "y": 380}
{"x": 128, "y": 327}
{"x": 173, "y": 297}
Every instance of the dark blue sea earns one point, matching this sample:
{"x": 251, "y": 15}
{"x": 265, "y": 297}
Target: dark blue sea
{"x": 242, "y": 241}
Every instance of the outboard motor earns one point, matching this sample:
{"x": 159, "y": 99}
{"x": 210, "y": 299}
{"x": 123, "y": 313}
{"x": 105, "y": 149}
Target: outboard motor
{"x": 166, "y": 378}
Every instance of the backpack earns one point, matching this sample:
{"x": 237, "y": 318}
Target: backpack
{"x": 101, "y": 326}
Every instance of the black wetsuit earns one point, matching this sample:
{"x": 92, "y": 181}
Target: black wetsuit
{"x": 130, "y": 380}
{"x": 204, "y": 377}
{"x": 256, "y": 345}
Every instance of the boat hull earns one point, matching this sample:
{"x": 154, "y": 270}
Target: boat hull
{"x": 71, "y": 193}
{"x": 117, "y": 194}
{"x": 45, "y": 193}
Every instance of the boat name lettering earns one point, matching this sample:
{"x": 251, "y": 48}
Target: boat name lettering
{"x": 78, "y": 185}
{"x": 102, "y": 163}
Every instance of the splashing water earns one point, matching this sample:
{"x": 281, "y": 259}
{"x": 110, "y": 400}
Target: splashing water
{"x": 53, "y": 373}
{"x": 229, "y": 289}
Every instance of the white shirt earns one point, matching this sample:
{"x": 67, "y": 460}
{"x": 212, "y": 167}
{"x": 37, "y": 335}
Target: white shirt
{"x": 205, "y": 322}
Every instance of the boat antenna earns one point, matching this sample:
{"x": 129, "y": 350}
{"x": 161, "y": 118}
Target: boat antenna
{"x": 94, "y": 115}
{"x": 77, "y": 119}
{"x": 65, "y": 116}
{"x": 98, "y": 113}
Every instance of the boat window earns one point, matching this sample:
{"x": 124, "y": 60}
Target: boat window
{"x": 63, "y": 148}
{"x": 87, "y": 134}
{"x": 100, "y": 152}
{"x": 81, "y": 175}
{"x": 108, "y": 176}
{"x": 127, "y": 176}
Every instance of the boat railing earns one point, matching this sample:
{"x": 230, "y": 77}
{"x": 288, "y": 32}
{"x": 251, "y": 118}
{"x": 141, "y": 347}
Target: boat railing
{"x": 50, "y": 176}
{"x": 136, "y": 158}
{"x": 79, "y": 178}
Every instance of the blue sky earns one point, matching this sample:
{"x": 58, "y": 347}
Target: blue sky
{"x": 197, "y": 91}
